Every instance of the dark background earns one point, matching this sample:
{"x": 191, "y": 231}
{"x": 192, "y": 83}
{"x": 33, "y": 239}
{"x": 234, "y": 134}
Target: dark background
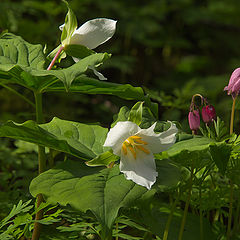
{"x": 172, "y": 48}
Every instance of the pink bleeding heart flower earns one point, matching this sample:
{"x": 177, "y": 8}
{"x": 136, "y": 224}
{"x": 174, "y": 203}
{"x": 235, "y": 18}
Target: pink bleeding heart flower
{"x": 208, "y": 113}
{"x": 194, "y": 120}
{"x": 233, "y": 86}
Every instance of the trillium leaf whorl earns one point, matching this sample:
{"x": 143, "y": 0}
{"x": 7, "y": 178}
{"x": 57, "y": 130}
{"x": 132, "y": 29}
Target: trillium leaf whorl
{"x": 136, "y": 147}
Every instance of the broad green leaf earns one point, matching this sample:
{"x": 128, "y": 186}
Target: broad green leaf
{"x": 103, "y": 159}
{"x": 169, "y": 175}
{"x": 192, "y": 152}
{"x": 67, "y": 75}
{"x": 193, "y": 144}
{"x": 103, "y": 193}
{"x": 24, "y": 64}
{"x": 221, "y": 153}
{"x": 135, "y": 114}
{"x": 69, "y": 27}
{"x": 78, "y": 51}
{"x": 16, "y": 51}
{"x": 81, "y": 140}
{"x": 88, "y": 85}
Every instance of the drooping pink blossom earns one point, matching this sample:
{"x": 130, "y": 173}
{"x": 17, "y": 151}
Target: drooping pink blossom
{"x": 194, "y": 120}
{"x": 208, "y": 113}
{"x": 233, "y": 86}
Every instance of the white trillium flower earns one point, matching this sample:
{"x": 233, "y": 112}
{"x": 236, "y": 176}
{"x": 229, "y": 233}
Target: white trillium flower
{"x": 136, "y": 147}
{"x": 92, "y": 34}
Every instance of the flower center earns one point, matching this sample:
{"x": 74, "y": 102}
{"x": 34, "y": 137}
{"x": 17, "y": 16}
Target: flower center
{"x": 132, "y": 144}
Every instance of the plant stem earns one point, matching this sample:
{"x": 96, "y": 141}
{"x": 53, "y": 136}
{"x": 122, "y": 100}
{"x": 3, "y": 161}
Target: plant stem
{"x": 41, "y": 165}
{"x": 165, "y": 235}
{"x": 55, "y": 58}
{"x": 41, "y": 151}
{"x": 232, "y": 115}
{"x": 230, "y": 211}
{"x": 201, "y": 214}
{"x": 180, "y": 235}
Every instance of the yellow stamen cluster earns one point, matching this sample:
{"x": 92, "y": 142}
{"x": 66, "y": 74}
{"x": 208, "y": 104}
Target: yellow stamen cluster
{"x": 132, "y": 144}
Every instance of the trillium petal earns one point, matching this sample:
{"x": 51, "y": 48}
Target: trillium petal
{"x": 118, "y": 134}
{"x": 94, "y": 32}
{"x": 159, "y": 142}
{"x": 141, "y": 170}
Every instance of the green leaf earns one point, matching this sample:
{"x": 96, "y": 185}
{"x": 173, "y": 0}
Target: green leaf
{"x": 103, "y": 159}
{"x": 81, "y": 140}
{"x": 20, "y": 208}
{"x": 221, "y": 153}
{"x": 191, "y": 152}
{"x": 78, "y": 51}
{"x": 193, "y": 144}
{"x": 23, "y": 63}
{"x": 169, "y": 175}
{"x": 121, "y": 116}
{"x": 135, "y": 114}
{"x": 67, "y": 75}
{"x": 103, "y": 193}
{"x": 88, "y": 85}
{"x": 156, "y": 215}
{"x": 16, "y": 51}
{"x": 69, "y": 27}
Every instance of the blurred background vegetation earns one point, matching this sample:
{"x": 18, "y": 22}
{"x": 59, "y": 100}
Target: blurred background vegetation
{"x": 173, "y": 48}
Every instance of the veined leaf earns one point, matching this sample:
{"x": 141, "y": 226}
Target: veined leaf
{"x": 81, "y": 140}
{"x": 23, "y": 63}
{"x": 88, "y": 85}
{"x": 103, "y": 193}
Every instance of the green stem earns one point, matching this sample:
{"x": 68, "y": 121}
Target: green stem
{"x": 51, "y": 158}
{"x": 230, "y": 211}
{"x": 41, "y": 165}
{"x": 201, "y": 214}
{"x": 41, "y": 151}
{"x": 165, "y": 235}
{"x": 232, "y": 116}
{"x": 180, "y": 235}
{"x": 18, "y": 94}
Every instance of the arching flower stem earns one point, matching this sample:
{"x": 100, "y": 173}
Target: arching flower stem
{"x": 55, "y": 58}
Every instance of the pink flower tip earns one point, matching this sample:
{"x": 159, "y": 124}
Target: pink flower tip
{"x": 233, "y": 86}
{"x": 194, "y": 120}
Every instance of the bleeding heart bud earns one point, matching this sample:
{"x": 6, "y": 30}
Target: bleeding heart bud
{"x": 194, "y": 120}
{"x": 208, "y": 113}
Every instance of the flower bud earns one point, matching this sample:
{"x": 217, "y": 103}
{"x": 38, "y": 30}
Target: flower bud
{"x": 194, "y": 120}
{"x": 208, "y": 113}
{"x": 233, "y": 86}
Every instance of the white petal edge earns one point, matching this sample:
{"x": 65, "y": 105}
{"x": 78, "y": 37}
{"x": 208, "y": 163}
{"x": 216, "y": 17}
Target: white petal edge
{"x": 141, "y": 170}
{"x": 118, "y": 134}
{"x": 159, "y": 142}
{"x": 61, "y": 26}
{"x": 94, "y": 32}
